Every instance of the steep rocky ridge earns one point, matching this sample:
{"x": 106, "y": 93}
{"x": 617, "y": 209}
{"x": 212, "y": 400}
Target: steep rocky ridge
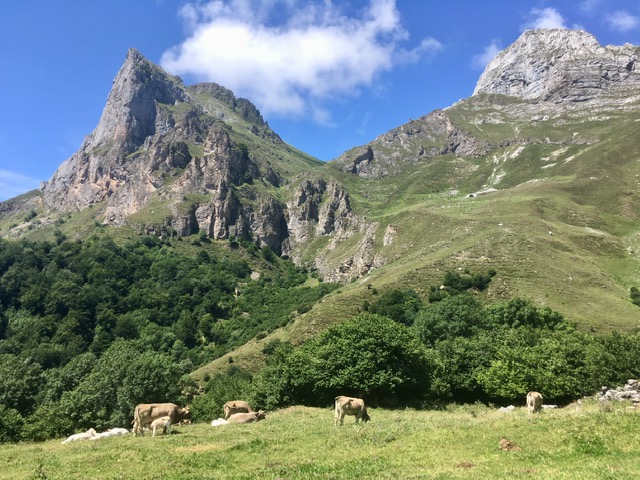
{"x": 170, "y": 159}
{"x": 546, "y": 74}
{"x": 535, "y": 175}
{"x": 412, "y": 143}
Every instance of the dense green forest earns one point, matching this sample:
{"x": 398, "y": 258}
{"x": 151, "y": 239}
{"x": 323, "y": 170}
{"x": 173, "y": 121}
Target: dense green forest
{"x": 90, "y": 328}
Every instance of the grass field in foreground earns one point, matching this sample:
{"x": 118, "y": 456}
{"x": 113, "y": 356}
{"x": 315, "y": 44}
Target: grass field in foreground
{"x": 302, "y": 443}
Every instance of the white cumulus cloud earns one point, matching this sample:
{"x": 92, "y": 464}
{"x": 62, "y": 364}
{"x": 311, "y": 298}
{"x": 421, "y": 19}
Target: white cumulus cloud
{"x": 481, "y": 60}
{"x": 545, "y": 18}
{"x": 622, "y": 21}
{"x": 287, "y": 56}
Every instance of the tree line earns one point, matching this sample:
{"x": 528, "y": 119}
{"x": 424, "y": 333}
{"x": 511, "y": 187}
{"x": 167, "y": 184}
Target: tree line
{"x": 401, "y": 351}
{"x": 90, "y": 328}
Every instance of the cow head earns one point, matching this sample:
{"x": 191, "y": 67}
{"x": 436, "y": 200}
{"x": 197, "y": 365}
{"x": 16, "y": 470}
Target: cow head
{"x": 184, "y": 414}
{"x": 365, "y": 416}
{"x": 261, "y": 415}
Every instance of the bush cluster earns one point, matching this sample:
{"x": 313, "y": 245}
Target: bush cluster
{"x": 455, "y": 349}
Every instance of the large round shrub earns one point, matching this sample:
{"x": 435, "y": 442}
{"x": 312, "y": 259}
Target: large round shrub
{"x": 368, "y": 355}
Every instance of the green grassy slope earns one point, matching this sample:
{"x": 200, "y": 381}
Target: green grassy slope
{"x": 561, "y": 228}
{"x": 560, "y": 223}
{"x": 303, "y": 443}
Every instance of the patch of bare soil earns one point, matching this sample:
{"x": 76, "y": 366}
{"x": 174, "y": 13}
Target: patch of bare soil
{"x": 507, "y": 445}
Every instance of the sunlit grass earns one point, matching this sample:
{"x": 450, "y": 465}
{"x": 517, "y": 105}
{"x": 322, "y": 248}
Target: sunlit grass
{"x": 303, "y": 443}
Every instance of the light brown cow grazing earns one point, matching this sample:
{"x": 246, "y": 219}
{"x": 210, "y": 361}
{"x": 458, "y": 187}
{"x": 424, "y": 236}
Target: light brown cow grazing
{"x": 350, "y": 406}
{"x": 534, "y": 402}
{"x": 145, "y": 413}
{"x": 236, "y": 406}
{"x": 162, "y": 422}
{"x": 247, "y": 417}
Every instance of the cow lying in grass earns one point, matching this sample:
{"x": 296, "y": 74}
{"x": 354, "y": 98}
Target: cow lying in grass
{"x": 244, "y": 417}
{"x": 236, "y": 406}
{"x": 350, "y": 406}
{"x": 112, "y": 432}
{"x": 89, "y": 434}
{"x": 218, "y": 422}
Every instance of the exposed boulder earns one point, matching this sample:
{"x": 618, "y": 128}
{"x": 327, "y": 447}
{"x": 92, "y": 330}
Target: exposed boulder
{"x": 629, "y": 392}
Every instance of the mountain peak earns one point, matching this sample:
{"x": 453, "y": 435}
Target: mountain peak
{"x": 130, "y": 111}
{"x": 134, "y": 55}
{"x": 559, "y": 65}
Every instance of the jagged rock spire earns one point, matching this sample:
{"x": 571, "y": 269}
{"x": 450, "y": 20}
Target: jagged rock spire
{"x": 130, "y": 112}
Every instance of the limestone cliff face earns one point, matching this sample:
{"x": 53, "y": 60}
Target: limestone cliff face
{"x": 169, "y": 159}
{"x": 103, "y": 164}
{"x": 559, "y": 65}
{"x": 323, "y": 209}
{"x": 158, "y": 139}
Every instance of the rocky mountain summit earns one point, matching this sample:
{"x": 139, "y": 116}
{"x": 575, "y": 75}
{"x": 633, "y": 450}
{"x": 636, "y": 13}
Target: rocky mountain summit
{"x": 549, "y": 135}
{"x": 546, "y": 73}
{"x": 559, "y": 65}
{"x": 171, "y": 159}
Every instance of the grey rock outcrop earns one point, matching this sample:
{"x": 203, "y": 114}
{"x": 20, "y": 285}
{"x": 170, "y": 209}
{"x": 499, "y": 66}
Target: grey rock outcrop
{"x": 417, "y": 141}
{"x": 168, "y": 159}
{"x": 159, "y": 139}
{"x": 323, "y": 209}
{"x": 102, "y": 164}
{"x": 560, "y": 65}
{"x": 629, "y": 392}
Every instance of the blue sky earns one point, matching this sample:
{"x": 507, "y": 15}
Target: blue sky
{"x": 326, "y": 75}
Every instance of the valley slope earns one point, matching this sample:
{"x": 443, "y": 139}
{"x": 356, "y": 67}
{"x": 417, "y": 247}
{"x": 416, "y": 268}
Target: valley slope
{"x": 536, "y": 176}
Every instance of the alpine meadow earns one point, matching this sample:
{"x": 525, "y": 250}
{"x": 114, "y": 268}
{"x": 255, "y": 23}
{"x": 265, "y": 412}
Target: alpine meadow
{"x": 186, "y": 254}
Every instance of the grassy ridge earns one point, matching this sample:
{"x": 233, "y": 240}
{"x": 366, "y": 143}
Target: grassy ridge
{"x": 302, "y": 443}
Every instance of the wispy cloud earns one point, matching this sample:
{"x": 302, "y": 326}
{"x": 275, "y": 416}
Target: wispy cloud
{"x": 481, "y": 60}
{"x": 289, "y": 56}
{"x": 621, "y": 21}
{"x": 545, "y": 18}
{"x": 13, "y": 184}
{"x": 588, "y": 6}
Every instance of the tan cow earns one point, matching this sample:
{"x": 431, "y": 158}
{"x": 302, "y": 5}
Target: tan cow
{"x": 236, "y": 406}
{"x": 534, "y": 402}
{"x": 350, "y": 406}
{"x": 162, "y": 422}
{"x": 145, "y": 413}
{"x": 247, "y": 417}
